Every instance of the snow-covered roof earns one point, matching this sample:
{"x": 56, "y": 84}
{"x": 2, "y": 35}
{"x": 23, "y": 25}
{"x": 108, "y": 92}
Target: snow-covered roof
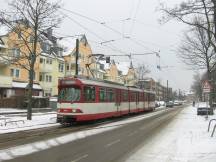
{"x": 123, "y": 66}
{"x": 3, "y": 30}
{"x": 106, "y": 65}
{"x": 24, "y": 85}
{"x": 67, "y": 45}
{"x": 3, "y": 46}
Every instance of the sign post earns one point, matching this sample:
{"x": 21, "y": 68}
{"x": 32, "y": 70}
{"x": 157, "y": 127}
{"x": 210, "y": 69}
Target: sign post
{"x": 206, "y": 87}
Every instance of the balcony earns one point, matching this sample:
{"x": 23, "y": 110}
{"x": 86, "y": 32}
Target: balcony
{"x": 5, "y": 81}
{"x": 46, "y": 68}
{"x": 4, "y": 60}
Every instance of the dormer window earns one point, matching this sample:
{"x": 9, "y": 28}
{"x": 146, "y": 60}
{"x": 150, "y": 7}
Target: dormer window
{"x": 46, "y": 47}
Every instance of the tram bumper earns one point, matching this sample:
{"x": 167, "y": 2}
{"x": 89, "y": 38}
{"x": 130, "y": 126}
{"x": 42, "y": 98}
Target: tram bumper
{"x": 65, "y": 119}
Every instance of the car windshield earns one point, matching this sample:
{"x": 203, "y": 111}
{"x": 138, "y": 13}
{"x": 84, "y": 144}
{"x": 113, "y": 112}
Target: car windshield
{"x": 69, "y": 94}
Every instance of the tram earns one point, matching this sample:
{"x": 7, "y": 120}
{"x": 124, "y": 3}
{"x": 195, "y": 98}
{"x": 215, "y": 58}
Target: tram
{"x": 81, "y": 99}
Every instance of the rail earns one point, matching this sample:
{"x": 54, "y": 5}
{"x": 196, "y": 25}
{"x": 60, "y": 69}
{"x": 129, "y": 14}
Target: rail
{"x": 210, "y": 123}
{"x": 14, "y": 121}
{"x": 213, "y": 131}
{"x": 4, "y": 119}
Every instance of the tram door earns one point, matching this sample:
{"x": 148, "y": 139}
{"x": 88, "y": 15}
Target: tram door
{"x": 118, "y": 101}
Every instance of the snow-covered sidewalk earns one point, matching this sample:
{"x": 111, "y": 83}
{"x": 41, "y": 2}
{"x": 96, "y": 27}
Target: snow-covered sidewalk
{"x": 14, "y": 123}
{"x": 184, "y": 140}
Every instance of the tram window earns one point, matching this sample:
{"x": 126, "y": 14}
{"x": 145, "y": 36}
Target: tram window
{"x": 102, "y": 94}
{"x": 125, "y": 95}
{"x": 145, "y": 97}
{"x": 89, "y": 93}
{"x": 133, "y": 97}
{"x": 140, "y": 97}
{"x": 110, "y": 95}
{"x": 69, "y": 94}
{"x": 137, "y": 97}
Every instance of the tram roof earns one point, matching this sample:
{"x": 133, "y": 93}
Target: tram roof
{"x": 111, "y": 85}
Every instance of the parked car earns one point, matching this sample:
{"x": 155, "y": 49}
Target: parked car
{"x": 177, "y": 103}
{"x": 169, "y": 104}
{"x": 204, "y": 109}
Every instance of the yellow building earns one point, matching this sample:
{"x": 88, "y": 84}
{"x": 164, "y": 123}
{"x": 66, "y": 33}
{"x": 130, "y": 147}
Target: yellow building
{"x": 52, "y": 64}
{"x": 86, "y": 62}
{"x": 131, "y": 76}
{"x": 113, "y": 74}
{"x": 13, "y": 74}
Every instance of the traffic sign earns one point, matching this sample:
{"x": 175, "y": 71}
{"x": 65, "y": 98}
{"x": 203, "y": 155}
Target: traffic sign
{"x": 206, "y": 86}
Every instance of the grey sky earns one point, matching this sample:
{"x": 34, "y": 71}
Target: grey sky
{"x": 147, "y": 34}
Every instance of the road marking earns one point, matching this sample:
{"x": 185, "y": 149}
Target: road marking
{"x": 133, "y": 133}
{"x": 112, "y": 143}
{"x": 80, "y": 158}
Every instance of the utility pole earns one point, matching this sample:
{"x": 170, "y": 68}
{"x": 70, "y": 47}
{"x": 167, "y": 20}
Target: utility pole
{"x": 167, "y": 96}
{"x": 77, "y": 56}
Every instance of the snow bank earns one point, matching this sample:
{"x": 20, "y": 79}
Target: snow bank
{"x": 8, "y": 123}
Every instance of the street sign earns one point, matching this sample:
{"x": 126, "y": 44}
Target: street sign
{"x": 206, "y": 86}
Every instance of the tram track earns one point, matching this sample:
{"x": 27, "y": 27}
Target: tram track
{"x": 8, "y": 140}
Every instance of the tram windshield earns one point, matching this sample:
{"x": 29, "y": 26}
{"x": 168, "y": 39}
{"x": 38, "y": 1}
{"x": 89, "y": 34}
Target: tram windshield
{"x": 69, "y": 94}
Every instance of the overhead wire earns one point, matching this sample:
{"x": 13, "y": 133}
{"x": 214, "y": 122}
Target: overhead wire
{"x": 108, "y": 27}
{"x": 135, "y": 15}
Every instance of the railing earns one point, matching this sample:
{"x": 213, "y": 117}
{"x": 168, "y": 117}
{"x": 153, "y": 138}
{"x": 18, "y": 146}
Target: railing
{"x": 209, "y": 125}
{"x": 14, "y": 121}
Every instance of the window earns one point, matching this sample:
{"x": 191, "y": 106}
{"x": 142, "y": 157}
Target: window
{"x": 110, "y": 95}
{"x": 133, "y": 97}
{"x": 102, "y": 94}
{"x": 61, "y": 67}
{"x": 89, "y": 93}
{"x": 67, "y": 67}
{"x": 69, "y": 94}
{"x": 15, "y": 72}
{"x": 141, "y": 97}
{"x": 16, "y": 52}
{"x": 48, "y": 78}
{"x": 31, "y": 39}
{"x": 125, "y": 95}
{"x": 42, "y": 60}
{"x": 46, "y": 47}
{"x": 41, "y": 78}
{"x": 47, "y": 94}
{"x": 49, "y": 61}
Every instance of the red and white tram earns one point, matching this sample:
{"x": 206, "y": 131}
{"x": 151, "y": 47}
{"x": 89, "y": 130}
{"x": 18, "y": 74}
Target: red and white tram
{"x": 85, "y": 100}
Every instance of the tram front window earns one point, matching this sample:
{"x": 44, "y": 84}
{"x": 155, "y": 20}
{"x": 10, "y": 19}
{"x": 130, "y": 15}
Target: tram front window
{"x": 69, "y": 94}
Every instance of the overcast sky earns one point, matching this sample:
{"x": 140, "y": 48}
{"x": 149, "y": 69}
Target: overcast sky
{"x": 137, "y": 19}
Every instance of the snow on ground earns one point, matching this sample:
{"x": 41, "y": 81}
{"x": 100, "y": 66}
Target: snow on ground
{"x": 17, "y": 151}
{"x": 13, "y": 123}
{"x": 185, "y": 139}
{"x": 9, "y": 110}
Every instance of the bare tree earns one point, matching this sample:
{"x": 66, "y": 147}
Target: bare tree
{"x": 190, "y": 12}
{"x": 29, "y": 19}
{"x": 142, "y": 71}
{"x": 196, "y": 50}
{"x": 201, "y": 16}
{"x": 197, "y": 86}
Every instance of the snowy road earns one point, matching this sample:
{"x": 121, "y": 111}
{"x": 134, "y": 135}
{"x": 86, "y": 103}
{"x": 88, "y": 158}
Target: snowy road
{"x": 184, "y": 140}
{"x": 109, "y": 142}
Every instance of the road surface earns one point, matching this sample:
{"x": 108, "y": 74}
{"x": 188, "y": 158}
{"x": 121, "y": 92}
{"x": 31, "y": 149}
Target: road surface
{"x": 108, "y": 146}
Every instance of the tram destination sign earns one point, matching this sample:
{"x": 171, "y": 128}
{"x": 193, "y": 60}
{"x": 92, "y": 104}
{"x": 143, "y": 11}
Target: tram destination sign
{"x": 68, "y": 82}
